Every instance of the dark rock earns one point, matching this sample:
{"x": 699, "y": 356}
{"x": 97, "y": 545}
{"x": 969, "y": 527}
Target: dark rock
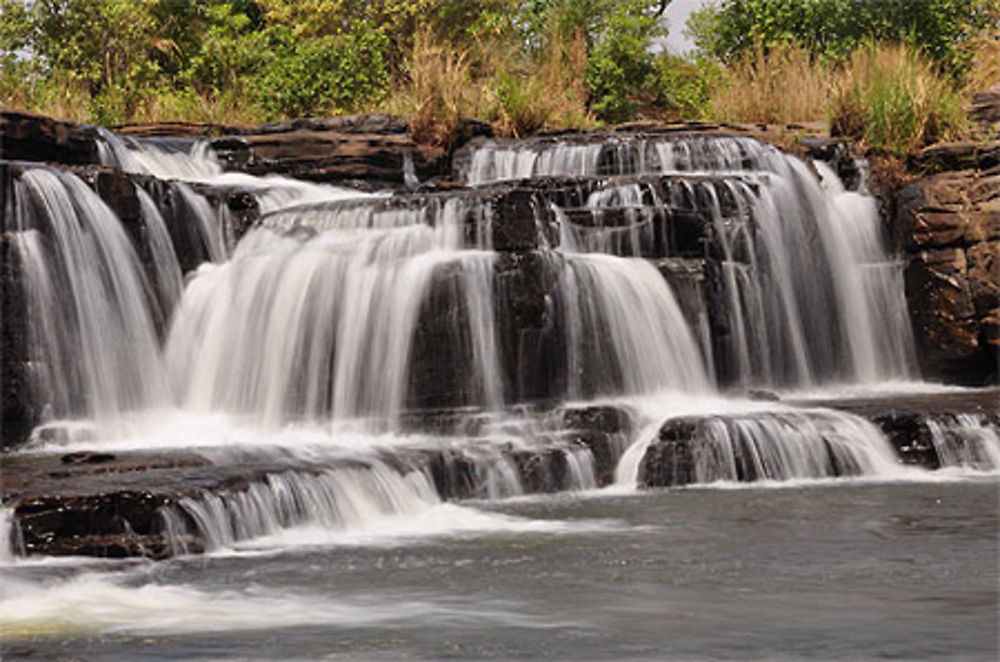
{"x": 950, "y": 226}
{"x": 330, "y": 156}
{"x": 30, "y": 137}
{"x": 18, "y": 412}
{"x": 967, "y": 155}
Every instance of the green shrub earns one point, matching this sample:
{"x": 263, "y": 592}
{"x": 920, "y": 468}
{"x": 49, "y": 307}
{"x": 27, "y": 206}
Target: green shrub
{"x": 833, "y": 29}
{"x": 323, "y": 74}
{"x": 684, "y": 87}
{"x": 619, "y": 64}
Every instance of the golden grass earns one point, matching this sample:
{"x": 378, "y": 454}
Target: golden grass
{"x": 781, "y": 86}
{"x": 985, "y": 55}
{"x": 493, "y": 82}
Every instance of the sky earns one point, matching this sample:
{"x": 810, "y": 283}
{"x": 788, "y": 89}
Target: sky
{"x": 677, "y": 15}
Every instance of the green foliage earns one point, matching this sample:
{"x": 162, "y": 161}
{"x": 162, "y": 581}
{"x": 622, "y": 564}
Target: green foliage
{"x": 329, "y": 73}
{"x": 619, "y": 63}
{"x": 833, "y": 29}
{"x": 684, "y": 87}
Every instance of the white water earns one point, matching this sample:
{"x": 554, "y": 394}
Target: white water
{"x": 108, "y": 605}
{"x": 798, "y": 307}
{"x": 966, "y": 441}
{"x": 93, "y": 339}
{"x": 305, "y": 328}
{"x": 185, "y": 161}
{"x": 8, "y": 532}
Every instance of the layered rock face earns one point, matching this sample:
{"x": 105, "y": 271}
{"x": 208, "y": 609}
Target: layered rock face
{"x": 950, "y": 223}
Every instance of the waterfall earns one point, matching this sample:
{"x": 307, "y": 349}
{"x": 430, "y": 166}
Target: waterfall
{"x": 9, "y": 537}
{"x": 93, "y": 344}
{"x": 167, "y": 270}
{"x": 334, "y": 500}
{"x": 791, "y": 445}
{"x": 965, "y": 441}
{"x": 625, "y": 332}
{"x": 161, "y": 158}
{"x": 813, "y": 295}
{"x": 340, "y": 310}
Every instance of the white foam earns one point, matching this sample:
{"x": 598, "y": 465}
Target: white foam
{"x": 105, "y": 604}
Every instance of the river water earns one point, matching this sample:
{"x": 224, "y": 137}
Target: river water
{"x": 825, "y": 570}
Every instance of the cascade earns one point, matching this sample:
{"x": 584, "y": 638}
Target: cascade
{"x": 334, "y": 500}
{"x": 342, "y": 311}
{"x": 8, "y": 537}
{"x": 811, "y": 291}
{"x": 965, "y": 441}
{"x": 168, "y": 274}
{"x": 161, "y": 158}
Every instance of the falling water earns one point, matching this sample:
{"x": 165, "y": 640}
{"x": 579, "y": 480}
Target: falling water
{"x": 812, "y": 293}
{"x": 334, "y": 500}
{"x": 168, "y": 274}
{"x": 8, "y": 536}
{"x": 164, "y": 159}
{"x": 92, "y": 334}
{"x": 316, "y": 314}
{"x": 965, "y": 441}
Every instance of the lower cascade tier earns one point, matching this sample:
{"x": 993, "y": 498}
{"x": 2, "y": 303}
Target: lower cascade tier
{"x": 168, "y": 502}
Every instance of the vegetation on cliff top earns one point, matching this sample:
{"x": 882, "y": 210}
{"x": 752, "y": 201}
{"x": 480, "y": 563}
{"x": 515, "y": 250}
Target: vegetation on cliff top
{"x": 890, "y": 73}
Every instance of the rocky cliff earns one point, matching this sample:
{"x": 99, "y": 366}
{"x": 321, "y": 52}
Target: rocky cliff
{"x": 948, "y": 224}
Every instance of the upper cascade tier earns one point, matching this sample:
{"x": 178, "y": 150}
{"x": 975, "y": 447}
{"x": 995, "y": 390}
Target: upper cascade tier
{"x": 623, "y": 267}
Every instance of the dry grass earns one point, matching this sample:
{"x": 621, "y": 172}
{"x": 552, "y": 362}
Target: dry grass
{"x": 985, "y": 55}
{"x": 778, "y": 87}
{"x": 62, "y": 98}
{"x": 550, "y": 93}
{"x": 440, "y": 92}
{"x": 886, "y": 96}
{"x": 491, "y": 81}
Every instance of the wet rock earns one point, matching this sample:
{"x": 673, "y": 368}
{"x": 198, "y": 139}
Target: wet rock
{"x": 670, "y": 460}
{"x": 532, "y": 348}
{"x": 604, "y": 430}
{"x": 19, "y": 412}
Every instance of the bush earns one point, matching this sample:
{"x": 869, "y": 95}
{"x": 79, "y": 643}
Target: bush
{"x": 684, "y": 87}
{"x": 619, "y": 64}
{"x": 331, "y": 73}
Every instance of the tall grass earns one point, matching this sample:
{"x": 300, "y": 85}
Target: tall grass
{"x": 440, "y": 91}
{"x": 780, "y": 86}
{"x": 494, "y": 82}
{"x": 889, "y": 97}
{"x": 894, "y": 100}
